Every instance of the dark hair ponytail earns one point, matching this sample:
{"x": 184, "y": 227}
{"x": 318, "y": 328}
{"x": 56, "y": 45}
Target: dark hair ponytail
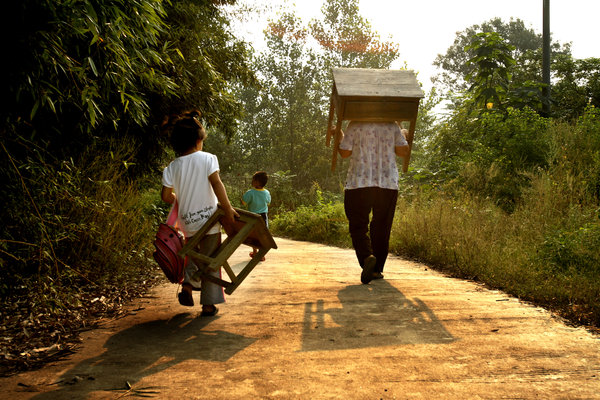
{"x": 184, "y": 130}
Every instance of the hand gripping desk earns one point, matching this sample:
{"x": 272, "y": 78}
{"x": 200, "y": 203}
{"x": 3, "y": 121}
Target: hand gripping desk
{"x": 248, "y": 229}
{"x": 361, "y": 94}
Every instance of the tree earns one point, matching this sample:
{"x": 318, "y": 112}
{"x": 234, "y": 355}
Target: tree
{"x": 575, "y": 82}
{"x": 79, "y": 76}
{"x": 207, "y": 62}
{"x": 491, "y": 78}
{"x": 80, "y": 98}
{"x": 577, "y": 86}
{"x": 284, "y": 128}
{"x": 527, "y": 53}
{"x": 285, "y": 119}
{"x": 348, "y": 39}
{"x": 79, "y": 69}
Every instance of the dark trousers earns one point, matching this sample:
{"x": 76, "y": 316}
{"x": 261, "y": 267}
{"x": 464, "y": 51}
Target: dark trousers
{"x": 265, "y": 218}
{"x": 374, "y": 237}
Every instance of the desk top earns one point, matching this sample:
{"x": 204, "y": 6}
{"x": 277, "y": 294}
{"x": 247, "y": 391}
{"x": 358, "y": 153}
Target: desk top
{"x": 363, "y": 82}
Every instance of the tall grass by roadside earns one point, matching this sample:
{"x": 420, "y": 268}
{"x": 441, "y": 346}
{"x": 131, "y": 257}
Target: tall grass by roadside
{"x": 83, "y": 222}
{"x": 537, "y": 254}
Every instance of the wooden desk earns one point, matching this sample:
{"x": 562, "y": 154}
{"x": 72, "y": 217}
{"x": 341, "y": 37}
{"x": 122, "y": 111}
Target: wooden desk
{"x": 361, "y": 94}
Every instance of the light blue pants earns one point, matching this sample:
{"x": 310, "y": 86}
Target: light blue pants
{"x": 210, "y": 293}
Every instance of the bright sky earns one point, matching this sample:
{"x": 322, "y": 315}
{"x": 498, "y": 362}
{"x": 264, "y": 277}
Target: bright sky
{"x": 425, "y": 28}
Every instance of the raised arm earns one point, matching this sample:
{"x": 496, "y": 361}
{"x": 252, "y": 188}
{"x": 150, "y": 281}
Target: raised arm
{"x": 402, "y": 150}
{"x": 343, "y": 153}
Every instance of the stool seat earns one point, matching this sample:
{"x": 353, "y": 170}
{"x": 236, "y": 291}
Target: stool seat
{"x": 249, "y": 229}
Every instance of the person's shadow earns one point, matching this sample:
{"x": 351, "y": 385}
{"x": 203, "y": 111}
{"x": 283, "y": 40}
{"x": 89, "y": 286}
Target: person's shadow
{"x": 147, "y": 349}
{"x": 371, "y": 315}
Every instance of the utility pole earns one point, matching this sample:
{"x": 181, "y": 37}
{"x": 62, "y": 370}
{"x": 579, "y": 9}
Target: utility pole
{"x": 546, "y": 59}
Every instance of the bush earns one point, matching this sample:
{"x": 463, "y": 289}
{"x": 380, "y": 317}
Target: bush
{"x": 80, "y": 221}
{"x": 490, "y": 153}
{"x": 576, "y": 149}
{"x": 570, "y": 251}
{"x": 324, "y": 222}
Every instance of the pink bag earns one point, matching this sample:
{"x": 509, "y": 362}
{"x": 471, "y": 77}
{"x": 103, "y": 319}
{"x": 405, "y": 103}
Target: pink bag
{"x": 168, "y": 242}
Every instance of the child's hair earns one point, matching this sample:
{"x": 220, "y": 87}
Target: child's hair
{"x": 261, "y": 177}
{"x": 185, "y": 129}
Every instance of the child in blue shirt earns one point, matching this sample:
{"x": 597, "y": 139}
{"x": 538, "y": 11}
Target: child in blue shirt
{"x": 258, "y": 199}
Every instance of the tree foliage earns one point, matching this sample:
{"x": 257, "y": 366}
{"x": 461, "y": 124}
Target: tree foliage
{"x": 576, "y": 86}
{"x": 81, "y": 67}
{"x": 526, "y": 51}
{"x": 207, "y": 61}
{"x": 495, "y": 136}
{"x": 81, "y": 75}
{"x": 491, "y": 78}
{"x": 349, "y": 40}
{"x": 574, "y": 82}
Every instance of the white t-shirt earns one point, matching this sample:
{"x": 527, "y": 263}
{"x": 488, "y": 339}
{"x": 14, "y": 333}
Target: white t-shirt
{"x": 188, "y": 177}
{"x": 373, "y": 159}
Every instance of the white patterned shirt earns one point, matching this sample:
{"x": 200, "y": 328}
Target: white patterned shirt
{"x": 373, "y": 159}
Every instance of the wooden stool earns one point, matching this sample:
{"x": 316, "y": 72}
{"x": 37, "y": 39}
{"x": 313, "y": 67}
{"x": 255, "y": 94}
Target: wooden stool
{"x": 248, "y": 229}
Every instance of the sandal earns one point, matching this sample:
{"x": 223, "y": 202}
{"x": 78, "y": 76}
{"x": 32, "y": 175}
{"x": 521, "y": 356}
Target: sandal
{"x": 206, "y": 313}
{"x": 185, "y": 299}
{"x": 253, "y": 254}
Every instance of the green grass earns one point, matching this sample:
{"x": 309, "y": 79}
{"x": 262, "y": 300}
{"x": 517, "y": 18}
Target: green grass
{"x": 538, "y": 254}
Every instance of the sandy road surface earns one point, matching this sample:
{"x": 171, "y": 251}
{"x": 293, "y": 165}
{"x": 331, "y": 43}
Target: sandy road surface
{"x": 302, "y": 326}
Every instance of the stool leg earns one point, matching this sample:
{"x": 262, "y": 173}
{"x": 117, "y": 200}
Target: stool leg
{"x": 247, "y": 269}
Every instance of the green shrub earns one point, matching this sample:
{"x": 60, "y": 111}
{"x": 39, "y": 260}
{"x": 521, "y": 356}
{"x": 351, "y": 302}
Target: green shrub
{"x": 575, "y": 251}
{"x": 324, "y": 222}
{"x": 576, "y": 149}
{"x": 76, "y": 244}
{"x": 73, "y": 223}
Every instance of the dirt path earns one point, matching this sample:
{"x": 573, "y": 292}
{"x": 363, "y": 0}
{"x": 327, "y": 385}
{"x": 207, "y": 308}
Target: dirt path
{"x": 303, "y": 327}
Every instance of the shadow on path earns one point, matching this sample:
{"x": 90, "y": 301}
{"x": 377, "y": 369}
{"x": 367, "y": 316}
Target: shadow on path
{"x": 147, "y": 349}
{"x": 371, "y": 315}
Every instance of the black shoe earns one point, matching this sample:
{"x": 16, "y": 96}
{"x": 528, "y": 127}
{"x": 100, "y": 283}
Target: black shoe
{"x": 368, "y": 269}
{"x": 377, "y": 275}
